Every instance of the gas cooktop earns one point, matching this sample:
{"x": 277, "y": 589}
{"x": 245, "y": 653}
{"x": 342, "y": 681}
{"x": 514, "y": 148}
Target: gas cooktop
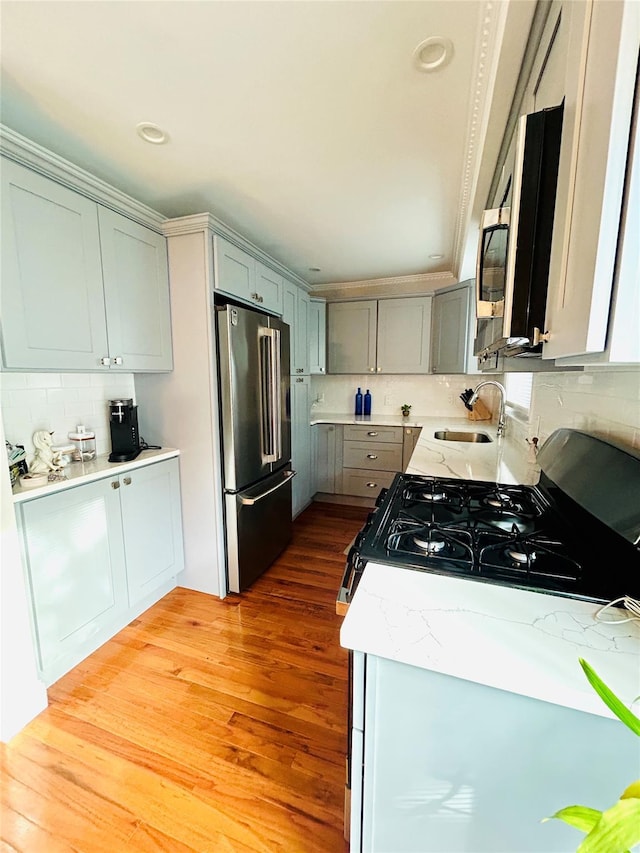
{"x": 554, "y": 537}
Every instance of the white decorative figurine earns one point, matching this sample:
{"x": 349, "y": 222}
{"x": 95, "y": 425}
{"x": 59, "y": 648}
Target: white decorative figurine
{"x": 45, "y": 460}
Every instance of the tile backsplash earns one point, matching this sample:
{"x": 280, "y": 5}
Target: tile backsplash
{"x": 602, "y": 401}
{"x": 58, "y": 402}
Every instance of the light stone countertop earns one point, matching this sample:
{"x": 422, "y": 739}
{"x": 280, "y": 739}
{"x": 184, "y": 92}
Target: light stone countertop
{"x": 502, "y": 460}
{"x": 79, "y": 473}
{"x": 526, "y": 643}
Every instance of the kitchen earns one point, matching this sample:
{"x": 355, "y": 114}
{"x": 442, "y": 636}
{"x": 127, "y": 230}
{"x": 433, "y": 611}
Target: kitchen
{"x": 600, "y": 399}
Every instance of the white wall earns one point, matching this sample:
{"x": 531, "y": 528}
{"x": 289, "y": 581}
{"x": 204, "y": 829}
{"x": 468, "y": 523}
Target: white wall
{"x": 58, "y": 402}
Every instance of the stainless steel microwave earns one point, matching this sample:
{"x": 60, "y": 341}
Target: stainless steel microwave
{"x": 514, "y": 248}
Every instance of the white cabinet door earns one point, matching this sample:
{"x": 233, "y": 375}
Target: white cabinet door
{"x": 317, "y": 336}
{"x": 76, "y": 571}
{"x": 295, "y": 308}
{"x": 450, "y": 331}
{"x": 404, "y": 335}
{"x": 52, "y": 294}
{"x": 602, "y": 61}
{"x": 152, "y": 526}
{"x": 301, "y": 442}
{"x": 352, "y": 330}
{"x": 234, "y": 269}
{"x": 268, "y": 289}
{"x": 136, "y": 294}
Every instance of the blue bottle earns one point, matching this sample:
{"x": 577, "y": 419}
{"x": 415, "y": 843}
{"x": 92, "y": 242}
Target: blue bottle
{"x": 367, "y": 403}
{"x": 358, "y": 402}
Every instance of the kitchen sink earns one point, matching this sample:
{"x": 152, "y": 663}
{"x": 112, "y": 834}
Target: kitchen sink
{"x": 449, "y": 435}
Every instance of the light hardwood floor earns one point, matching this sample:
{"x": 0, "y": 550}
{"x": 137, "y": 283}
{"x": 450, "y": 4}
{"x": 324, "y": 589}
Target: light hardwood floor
{"x": 205, "y": 725}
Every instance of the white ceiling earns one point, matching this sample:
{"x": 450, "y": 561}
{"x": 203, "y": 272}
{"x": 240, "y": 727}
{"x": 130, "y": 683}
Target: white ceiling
{"x": 303, "y": 125}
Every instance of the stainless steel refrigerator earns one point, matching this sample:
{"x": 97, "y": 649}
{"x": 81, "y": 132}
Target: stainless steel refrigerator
{"x": 253, "y": 369}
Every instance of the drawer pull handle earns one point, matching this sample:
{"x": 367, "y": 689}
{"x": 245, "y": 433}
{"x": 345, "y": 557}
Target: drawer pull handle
{"x": 371, "y": 485}
{"x": 372, "y": 433}
{"x": 372, "y": 455}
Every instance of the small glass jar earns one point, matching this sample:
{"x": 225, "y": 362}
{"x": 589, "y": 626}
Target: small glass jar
{"x": 84, "y": 444}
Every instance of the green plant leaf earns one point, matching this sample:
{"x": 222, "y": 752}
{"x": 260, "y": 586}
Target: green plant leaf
{"x": 617, "y": 830}
{"x": 610, "y": 699}
{"x": 582, "y": 817}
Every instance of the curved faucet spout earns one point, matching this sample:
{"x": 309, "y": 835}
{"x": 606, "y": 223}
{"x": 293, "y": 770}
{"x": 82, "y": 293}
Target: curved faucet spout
{"x": 503, "y": 399}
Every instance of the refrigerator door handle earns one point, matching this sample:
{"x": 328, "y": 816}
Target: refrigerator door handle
{"x": 271, "y": 396}
{"x": 249, "y": 500}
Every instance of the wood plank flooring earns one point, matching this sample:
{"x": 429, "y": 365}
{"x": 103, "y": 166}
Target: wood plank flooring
{"x": 205, "y": 725}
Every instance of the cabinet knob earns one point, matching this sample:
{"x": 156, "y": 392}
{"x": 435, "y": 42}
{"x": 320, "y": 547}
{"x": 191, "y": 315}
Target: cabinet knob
{"x": 105, "y": 361}
{"x": 372, "y": 370}
{"x": 378, "y": 370}
{"x": 115, "y": 484}
{"x": 299, "y": 369}
{"x": 322, "y": 370}
{"x": 299, "y": 379}
{"x": 127, "y": 481}
{"x": 371, "y": 485}
{"x": 372, "y": 433}
{"x": 117, "y": 360}
{"x": 372, "y": 455}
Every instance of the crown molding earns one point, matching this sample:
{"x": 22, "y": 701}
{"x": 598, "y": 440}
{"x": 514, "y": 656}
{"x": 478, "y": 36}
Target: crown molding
{"x": 402, "y": 285}
{"x": 28, "y": 153}
{"x": 199, "y": 222}
{"x": 491, "y": 29}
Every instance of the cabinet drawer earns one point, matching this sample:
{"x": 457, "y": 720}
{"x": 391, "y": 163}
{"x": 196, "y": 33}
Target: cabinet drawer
{"x": 370, "y": 432}
{"x": 366, "y": 484}
{"x": 373, "y": 456}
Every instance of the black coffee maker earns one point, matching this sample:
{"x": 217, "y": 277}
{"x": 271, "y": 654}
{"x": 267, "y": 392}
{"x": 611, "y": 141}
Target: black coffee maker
{"x": 125, "y": 438}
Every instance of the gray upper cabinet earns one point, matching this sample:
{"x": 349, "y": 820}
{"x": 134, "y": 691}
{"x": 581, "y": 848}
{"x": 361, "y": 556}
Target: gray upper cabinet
{"x": 239, "y": 274}
{"x": 52, "y": 293}
{"x": 83, "y": 288}
{"x": 317, "y": 336}
{"x": 295, "y": 308}
{"x": 385, "y": 336}
{"x": 450, "y": 332}
{"x": 136, "y": 294}
{"x": 352, "y": 330}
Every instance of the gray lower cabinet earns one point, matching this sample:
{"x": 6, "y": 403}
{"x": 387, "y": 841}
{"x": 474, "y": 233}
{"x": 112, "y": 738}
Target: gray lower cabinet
{"x": 371, "y": 457}
{"x": 83, "y": 287}
{"x": 301, "y": 451}
{"x": 96, "y": 556}
{"x": 324, "y": 447}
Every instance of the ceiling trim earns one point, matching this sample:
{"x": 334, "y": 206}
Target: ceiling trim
{"x": 199, "y": 222}
{"x": 402, "y": 285}
{"x": 28, "y": 153}
{"x": 491, "y": 25}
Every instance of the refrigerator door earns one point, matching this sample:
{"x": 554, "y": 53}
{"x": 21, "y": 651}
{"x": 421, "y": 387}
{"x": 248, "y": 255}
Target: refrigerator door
{"x": 253, "y": 389}
{"x": 258, "y": 528}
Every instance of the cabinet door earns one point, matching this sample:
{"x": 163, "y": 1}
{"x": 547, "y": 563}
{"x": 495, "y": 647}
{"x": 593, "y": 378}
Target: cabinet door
{"x": 136, "y": 293}
{"x": 301, "y": 336}
{"x": 234, "y": 270}
{"x": 268, "y": 289}
{"x": 410, "y": 439}
{"x": 404, "y": 334}
{"x": 289, "y": 309}
{"x": 152, "y": 526}
{"x": 75, "y": 563}
{"x": 300, "y": 442}
{"x": 450, "y": 331}
{"x": 325, "y": 458}
{"x": 317, "y": 336}
{"x": 52, "y": 295}
{"x": 352, "y": 336}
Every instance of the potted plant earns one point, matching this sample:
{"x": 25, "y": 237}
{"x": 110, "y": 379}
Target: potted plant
{"x": 406, "y": 408}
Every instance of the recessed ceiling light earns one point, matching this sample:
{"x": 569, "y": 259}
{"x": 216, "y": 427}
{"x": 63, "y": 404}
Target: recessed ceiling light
{"x": 315, "y": 269}
{"x": 436, "y": 257}
{"x": 150, "y": 132}
{"x": 433, "y": 53}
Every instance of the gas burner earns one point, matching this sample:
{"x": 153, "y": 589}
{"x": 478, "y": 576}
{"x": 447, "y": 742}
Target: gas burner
{"x": 500, "y": 500}
{"x": 435, "y": 497}
{"x": 431, "y": 546}
{"x": 520, "y": 556}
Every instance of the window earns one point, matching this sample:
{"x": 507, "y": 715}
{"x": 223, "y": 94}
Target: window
{"x": 519, "y": 387}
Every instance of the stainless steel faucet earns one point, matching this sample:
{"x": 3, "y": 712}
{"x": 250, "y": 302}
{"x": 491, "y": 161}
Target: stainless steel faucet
{"x": 503, "y": 398}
